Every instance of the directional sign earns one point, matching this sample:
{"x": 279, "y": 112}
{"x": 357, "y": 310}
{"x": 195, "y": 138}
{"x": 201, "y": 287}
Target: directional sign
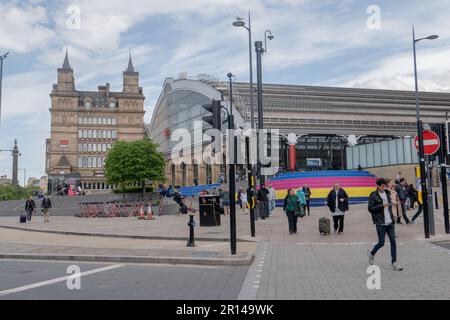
{"x": 431, "y": 142}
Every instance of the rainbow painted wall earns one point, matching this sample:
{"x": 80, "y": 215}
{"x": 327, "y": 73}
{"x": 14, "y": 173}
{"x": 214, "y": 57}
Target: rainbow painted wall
{"x": 357, "y": 184}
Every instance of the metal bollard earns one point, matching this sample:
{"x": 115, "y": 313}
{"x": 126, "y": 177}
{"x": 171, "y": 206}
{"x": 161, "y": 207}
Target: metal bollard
{"x": 436, "y": 200}
{"x": 191, "y": 224}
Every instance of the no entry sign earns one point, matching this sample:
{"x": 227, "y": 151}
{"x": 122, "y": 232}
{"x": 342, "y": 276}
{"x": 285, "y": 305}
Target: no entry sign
{"x": 431, "y": 142}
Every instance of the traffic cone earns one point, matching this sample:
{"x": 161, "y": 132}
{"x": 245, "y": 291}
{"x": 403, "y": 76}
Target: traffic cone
{"x": 141, "y": 214}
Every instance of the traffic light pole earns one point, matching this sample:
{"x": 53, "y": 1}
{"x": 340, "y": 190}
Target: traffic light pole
{"x": 251, "y": 187}
{"x": 232, "y": 172}
{"x": 443, "y": 167}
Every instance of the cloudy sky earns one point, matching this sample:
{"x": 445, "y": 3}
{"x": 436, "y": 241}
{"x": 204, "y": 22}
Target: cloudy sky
{"x": 317, "y": 42}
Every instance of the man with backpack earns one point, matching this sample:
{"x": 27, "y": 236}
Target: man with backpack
{"x": 402, "y": 195}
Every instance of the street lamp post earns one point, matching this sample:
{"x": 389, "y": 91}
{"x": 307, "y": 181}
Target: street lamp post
{"x": 240, "y": 23}
{"x": 423, "y": 177}
{"x": 3, "y": 57}
{"x": 259, "y": 52}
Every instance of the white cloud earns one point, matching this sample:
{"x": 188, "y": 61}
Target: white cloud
{"x": 23, "y": 29}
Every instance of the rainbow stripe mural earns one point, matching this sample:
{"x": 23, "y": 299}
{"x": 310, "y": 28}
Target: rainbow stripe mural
{"x": 357, "y": 184}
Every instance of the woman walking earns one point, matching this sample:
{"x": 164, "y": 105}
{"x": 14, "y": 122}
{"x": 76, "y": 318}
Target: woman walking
{"x": 290, "y": 207}
{"x": 394, "y": 198}
{"x": 307, "y": 192}
{"x": 301, "y": 196}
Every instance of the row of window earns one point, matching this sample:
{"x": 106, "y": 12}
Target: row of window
{"x": 97, "y": 120}
{"x": 94, "y": 147}
{"x": 91, "y": 162}
{"x": 100, "y": 134}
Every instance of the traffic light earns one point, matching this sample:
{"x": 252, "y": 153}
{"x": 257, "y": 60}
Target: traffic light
{"x": 215, "y": 118}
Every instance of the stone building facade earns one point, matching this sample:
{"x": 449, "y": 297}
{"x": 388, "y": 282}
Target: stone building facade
{"x": 85, "y": 125}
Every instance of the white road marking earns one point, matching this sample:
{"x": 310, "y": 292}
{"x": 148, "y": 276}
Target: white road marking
{"x": 60, "y": 279}
{"x": 213, "y": 245}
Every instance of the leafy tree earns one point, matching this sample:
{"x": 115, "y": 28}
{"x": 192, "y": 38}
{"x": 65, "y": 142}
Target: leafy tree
{"x": 134, "y": 162}
{"x": 10, "y": 192}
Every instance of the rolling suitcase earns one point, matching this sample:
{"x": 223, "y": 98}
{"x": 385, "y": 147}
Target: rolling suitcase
{"x": 23, "y": 218}
{"x": 324, "y": 226}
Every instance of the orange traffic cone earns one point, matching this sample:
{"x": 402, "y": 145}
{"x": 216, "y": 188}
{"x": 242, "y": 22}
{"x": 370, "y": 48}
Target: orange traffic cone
{"x": 141, "y": 214}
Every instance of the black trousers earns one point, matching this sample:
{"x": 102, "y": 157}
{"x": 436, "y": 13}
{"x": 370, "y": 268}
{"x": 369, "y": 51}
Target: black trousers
{"x": 418, "y": 213}
{"x": 307, "y": 206}
{"x": 292, "y": 220}
{"x": 338, "y": 223}
{"x": 403, "y": 207}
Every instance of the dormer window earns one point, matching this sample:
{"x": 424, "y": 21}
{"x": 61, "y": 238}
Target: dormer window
{"x": 87, "y": 104}
{"x": 112, "y": 104}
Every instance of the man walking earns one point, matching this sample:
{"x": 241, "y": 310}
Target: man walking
{"x": 30, "y": 207}
{"x": 272, "y": 198}
{"x": 337, "y": 202}
{"x": 380, "y": 207}
{"x": 402, "y": 195}
{"x": 45, "y": 207}
{"x": 263, "y": 202}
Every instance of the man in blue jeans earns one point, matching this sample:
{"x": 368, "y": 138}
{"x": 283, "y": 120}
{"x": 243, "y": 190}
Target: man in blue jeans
{"x": 380, "y": 207}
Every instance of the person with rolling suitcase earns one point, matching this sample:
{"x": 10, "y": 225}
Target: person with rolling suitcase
{"x": 30, "y": 207}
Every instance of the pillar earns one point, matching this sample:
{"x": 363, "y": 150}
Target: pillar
{"x": 292, "y": 141}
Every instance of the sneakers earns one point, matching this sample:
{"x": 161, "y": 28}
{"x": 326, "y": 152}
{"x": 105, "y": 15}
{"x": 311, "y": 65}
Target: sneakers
{"x": 371, "y": 257}
{"x": 395, "y": 267}
{"x": 413, "y": 222}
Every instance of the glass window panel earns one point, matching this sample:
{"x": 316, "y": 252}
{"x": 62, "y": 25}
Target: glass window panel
{"x": 94, "y": 162}
{"x": 80, "y": 162}
{"x": 90, "y": 134}
{"x": 80, "y": 120}
{"x": 384, "y": 154}
{"x": 94, "y": 134}
{"x": 109, "y": 121}
{"x": 114, "y": 134}
{"x": 89, "y": 120}
{"x": 400, "y": 151}
{"x": 349, "y": 152}
{"x": 94, "y": 121}
{"x": 108, "y": 134}
{"x": 80, "y": 133}
{"x": 392, "y": 152}
{"x": 84, "y": 120}
{"x": 407, "y": 150}
{"x": 114, "y": 120}
{"x": 104, "y": 120}
{"x": 90, "y": 147}
{"x": 94, "y": 147}
{"x": 104, "y": 134}
{"x": 370, "y": 154}
{"x": 414, "y": 152}
{"x": 377, "y": 151}
{"x": 104, "y": 147}
{"x": 363, "y": 156}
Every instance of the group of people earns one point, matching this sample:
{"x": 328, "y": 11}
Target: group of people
{"x": 30, "y": 208}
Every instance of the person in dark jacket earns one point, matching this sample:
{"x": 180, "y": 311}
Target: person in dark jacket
{"x": 262, "y": 197}
{"x": 402, "y": 195}
{"x": 289, "y": 206}
{"x": 380, "y": 207}
{"x": 337, "y": 202}
{"x": 412, "y": 194}
{"x": 307, "y": 192}
{"x": 45, "y": 207}
{"x": 30, "y": 207}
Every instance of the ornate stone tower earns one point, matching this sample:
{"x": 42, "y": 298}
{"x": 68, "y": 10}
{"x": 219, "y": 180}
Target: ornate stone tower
{"x": 15, "y": 169}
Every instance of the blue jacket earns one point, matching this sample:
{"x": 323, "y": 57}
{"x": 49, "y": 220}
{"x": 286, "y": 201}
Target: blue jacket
{"x": 301, "y": 197}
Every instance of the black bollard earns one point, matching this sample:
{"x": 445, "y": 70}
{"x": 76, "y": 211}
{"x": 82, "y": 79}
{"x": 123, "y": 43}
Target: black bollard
{"x": 191, "y": 224}
{"x": 436, "y": 200}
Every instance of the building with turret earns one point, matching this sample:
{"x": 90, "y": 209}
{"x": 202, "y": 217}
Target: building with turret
{"x": 85, "y": 125}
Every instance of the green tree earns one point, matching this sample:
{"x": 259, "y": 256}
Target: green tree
{"x": 134, "y": 162}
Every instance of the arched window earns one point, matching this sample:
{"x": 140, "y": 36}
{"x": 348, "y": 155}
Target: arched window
{"x": 195, "y": 173}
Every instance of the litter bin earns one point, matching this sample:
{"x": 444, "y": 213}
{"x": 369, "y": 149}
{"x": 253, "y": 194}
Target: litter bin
{"x": 209, "y": 206}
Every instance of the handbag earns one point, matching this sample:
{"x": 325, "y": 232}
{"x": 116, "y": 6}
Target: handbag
{"x": 301, "y": 211}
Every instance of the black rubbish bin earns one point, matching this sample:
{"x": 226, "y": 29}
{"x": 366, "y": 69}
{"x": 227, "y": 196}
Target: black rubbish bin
{"x": 209, "y": 206}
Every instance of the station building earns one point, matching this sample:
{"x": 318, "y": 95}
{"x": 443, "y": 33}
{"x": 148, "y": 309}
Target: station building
{"x": 326, "y": 121}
